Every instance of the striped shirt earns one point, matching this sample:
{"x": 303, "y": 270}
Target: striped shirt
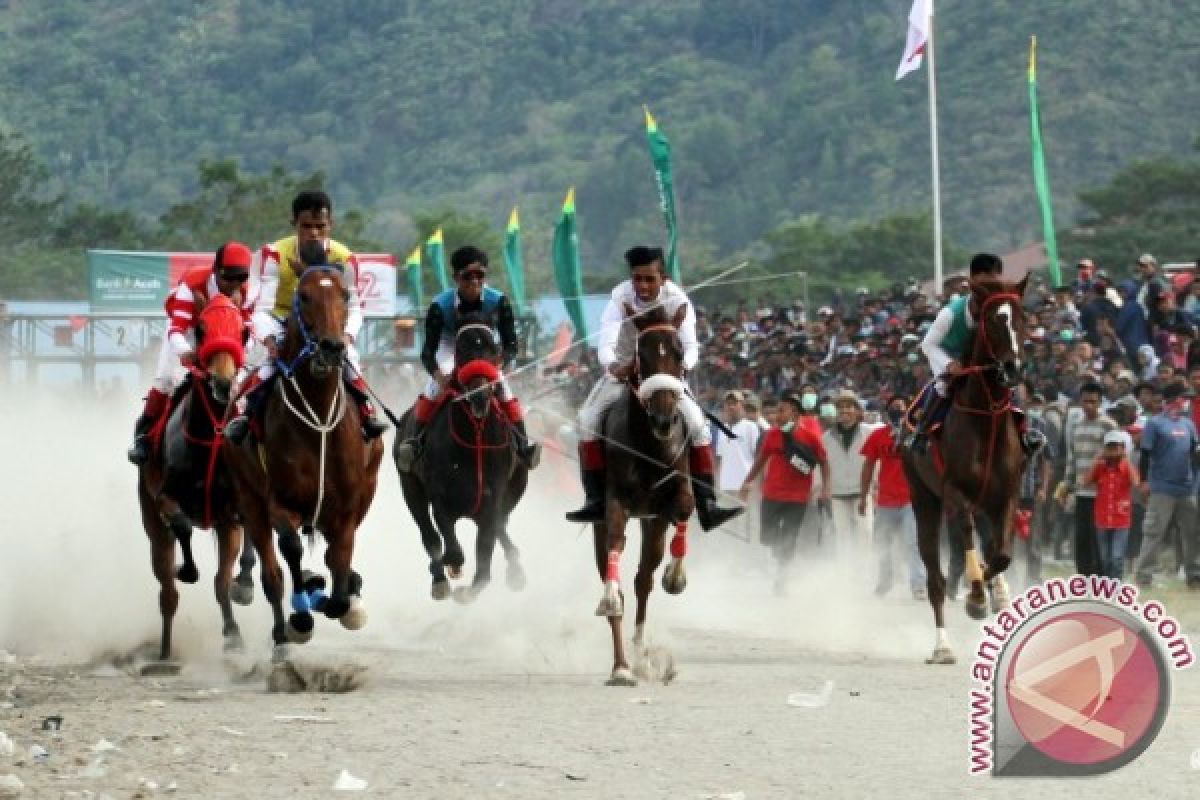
{"x": 1085, "y": 440}
{"x": 188, "y": 299}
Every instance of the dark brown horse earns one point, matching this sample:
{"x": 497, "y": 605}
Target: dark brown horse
{"x": 979, "y": 461}
{"x": 469, "y": 470}
{"x": 185, "y": 483}
{"x": 312, "y": 469}
{"x": 646, "y": 450}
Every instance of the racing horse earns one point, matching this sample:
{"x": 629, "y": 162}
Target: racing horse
{"x": 469, "y": 469}
{"x": 311, "y": 469}
{"x": 982, "y": 471}
{"x": 646, "y": 454}
{"x": 185, "y": 482}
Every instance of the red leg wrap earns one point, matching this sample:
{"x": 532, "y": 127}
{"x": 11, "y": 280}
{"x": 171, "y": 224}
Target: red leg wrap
{"x": 156, "y": 404}
{"x": 426, "y": 408}
{"x": 679, "y": 542}
{"x": 591, "y": 455}
{"x": 613, "y": 572}
{"x": 512, "y": 410}
{"x": 700, "y": 460}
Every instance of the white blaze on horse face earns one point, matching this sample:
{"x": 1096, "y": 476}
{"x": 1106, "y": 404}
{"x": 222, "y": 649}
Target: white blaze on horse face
{"x": 1005, "y": 312}
{"x": 327, "y": 281}
{"x": 662, "y": 349}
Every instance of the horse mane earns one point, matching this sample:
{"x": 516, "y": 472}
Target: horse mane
{"x": 654, "y": 315}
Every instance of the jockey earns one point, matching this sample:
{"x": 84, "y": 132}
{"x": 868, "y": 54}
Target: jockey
{"x": 473, "y": 295}
{"x": 228, "y": 275}
{"x": 616, "y": 349}
{"x": 944, "y": 345}
{"x": 282, "y": 265}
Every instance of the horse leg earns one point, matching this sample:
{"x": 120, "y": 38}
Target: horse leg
{"x": 181, "y": 530}
{"x": 300, "y": 622}
{"x": 243, "y": 587}
{"x": 999, "y": 555}
{"x": 229, "y": 543}
{"x": 271, "y": 574}
{"x": 162, "y": 560}
{"x": 674, "y": 578}
{"x": 418, "y": 506}
{"x": 654, "y": 546}
{"x": 485, "y": 547}
{"x": 453, "y": 558}
{"x": 962, "y": 521}
{"x": 927, "y": 507}
{"x": 609, "y": 540}
{"x": 338, "y": 556}
{"x": 514, "y": 574}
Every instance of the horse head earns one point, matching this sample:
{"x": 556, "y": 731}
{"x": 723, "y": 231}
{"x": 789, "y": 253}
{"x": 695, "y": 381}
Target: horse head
{"x": 219, "y": 330}
{"x": 319, "y": 309}
{"x": 659, "y": 365}
{"x": 477, "y": 356}
{"x": 997, "y": 307}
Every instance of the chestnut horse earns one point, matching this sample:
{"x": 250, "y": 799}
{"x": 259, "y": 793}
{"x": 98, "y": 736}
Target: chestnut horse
{"x": 646, "y": 450}
{"x": 185, "y": 483}
{"x": 470, "y": 469}
{"x": 982, "y": 470}
{"x": 311, "y": 470}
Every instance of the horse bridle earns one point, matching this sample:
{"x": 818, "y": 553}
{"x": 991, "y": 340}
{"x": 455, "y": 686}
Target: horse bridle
{"x": 995, "y": 364}
{"x": 288, "y": 368}
{"x": 637, "y": 362}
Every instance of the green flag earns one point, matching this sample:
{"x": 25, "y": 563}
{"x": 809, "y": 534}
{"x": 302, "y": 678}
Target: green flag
{"x": 660, "y": 154}
{"x": 514, "y": 264}
{"x": 416, "y": 291}
{"x": 567, "y": 272}
{"x": 435, "y": 248}
{"x": 1040, "y": 179}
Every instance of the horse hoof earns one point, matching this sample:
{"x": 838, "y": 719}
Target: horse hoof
{"x": 454, "y": 572}
{"x": 610, "y": 607}
{"x": 281, "y": 653}
{"x": 300, "y": 627}
{"x": 674, "y": 579}
{"x": 441, "y": 589}
{"x": 356, "y": 617}
{"x": 242, "y": 594}
{"x": 514, "y": 576}
{"x": 465, "y": 595}
{"x": 188, "y": 573}
{"x": 159, "y": 669}
{"x": 336, "y": 607}
{"x": 977, "y": 608}
{"x": 941, "y": 655}
{"x": 621, "y": 676}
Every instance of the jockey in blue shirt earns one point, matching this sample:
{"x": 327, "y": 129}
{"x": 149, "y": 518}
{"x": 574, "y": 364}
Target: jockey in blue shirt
{"x": 472, "y": 296}
{"x": 945, "y": 345}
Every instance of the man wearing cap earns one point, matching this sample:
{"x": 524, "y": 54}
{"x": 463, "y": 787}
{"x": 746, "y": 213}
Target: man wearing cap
{"x": 1168, "y": 454}
{"x": 735, "y": 456}
{"x": 616, "y": 350}
{"x": 944, "y": 345}
{"x": 843, "y": 443}
{"x": 1084, "y": 441}
{"x": 228, "y": 275}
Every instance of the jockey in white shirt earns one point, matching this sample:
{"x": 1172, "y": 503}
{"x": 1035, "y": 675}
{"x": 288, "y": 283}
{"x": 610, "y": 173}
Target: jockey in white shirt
{"x": 616, "y": 349}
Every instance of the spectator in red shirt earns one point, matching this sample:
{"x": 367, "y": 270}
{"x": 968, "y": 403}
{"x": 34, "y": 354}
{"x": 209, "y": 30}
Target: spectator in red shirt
{"x": 1114, "y": 478}
{"x": 790, "y": 453}
{"x": 895, "y": 529}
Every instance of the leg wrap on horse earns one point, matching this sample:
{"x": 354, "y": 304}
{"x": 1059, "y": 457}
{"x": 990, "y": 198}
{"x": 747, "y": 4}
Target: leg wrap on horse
{"x": 512, "y": 410}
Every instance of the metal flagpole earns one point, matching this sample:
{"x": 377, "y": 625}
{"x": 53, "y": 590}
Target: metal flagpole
{"x": 933, "y": 146}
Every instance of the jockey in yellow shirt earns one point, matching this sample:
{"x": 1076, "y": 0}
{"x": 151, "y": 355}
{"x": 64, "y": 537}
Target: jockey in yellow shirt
{"x": 282, "y": 265}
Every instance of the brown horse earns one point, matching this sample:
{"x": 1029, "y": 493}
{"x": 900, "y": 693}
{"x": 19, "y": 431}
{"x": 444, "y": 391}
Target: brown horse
{"x": 646, "y": 449}
{"x": 983, "y": 468}
{"x": 184, "y": 482}
{"x": 312, "y": 470}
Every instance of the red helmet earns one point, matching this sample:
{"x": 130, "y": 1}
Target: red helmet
{"x": 232, "y": 254}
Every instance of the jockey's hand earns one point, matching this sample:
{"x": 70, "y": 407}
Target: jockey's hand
{"x": 271, "y": 346}
{"x": 619, "y": 372}
{"x": 189, "y": 359}
{"x": 954, "y": 366}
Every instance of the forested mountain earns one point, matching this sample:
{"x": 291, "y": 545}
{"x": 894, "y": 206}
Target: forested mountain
{"x": 776, "y": 109}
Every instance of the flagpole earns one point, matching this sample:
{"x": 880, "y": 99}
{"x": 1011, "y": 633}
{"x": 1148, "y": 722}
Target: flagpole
{"x": 933, "y": 147}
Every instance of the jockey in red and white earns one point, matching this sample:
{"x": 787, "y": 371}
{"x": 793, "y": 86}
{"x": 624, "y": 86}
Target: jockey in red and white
{"x": 228, "y": 275}
{"x": 617, "y": 347}
{"x": 282, "y": 265}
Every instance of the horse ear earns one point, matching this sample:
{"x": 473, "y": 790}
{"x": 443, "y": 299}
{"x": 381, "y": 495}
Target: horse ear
{"x": 1021, "y": 284}
{"x": 680, "y": 316}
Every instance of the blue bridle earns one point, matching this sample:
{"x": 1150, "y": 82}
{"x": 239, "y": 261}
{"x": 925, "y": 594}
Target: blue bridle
{"x": 288, "y": 368}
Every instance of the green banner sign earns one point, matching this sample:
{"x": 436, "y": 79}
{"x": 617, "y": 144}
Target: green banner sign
{"x": 126, "y": 281}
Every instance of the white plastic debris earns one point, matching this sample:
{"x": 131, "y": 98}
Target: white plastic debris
{"x": 38, "y": 753}
{"x": 95, "y": 769}
{"x": 7, "y": 746}
{"x": 103, "y": 746}
{"x": 232, "y": 731}
{"x": 149, "y": 785}
{"x": 640, "y": 701}
{"x": 10, "y": 786}
{"x": 348, "y": 783}
{"x": 156, "y": 704}
{"x": 303, "y": 718}
{"x": 810, "y": 700}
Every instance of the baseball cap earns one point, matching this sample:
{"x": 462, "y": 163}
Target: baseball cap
{"x": 1114, "y": 437}
{"x": 1146, "y": 258}
{"x": 233, "y": 254}
{"x": 734, "y": 394}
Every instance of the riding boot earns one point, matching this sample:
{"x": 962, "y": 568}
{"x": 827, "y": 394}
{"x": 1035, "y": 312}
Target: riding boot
{"x": 529, "y": 452}
{"x": 408, "y": 451}
{"x": 156, "y": 404}
{"x": 703, "y": 488}
{"x": 237, "y": 428}
{"x": 592, "y": 469}
{"x": 372, "y": 426}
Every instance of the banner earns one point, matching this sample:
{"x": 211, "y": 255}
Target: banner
{"x": 435, "y": 248}
{"x": 660, "y": 155}
{"x": 514, "y": 263}
{"x": 1041, "y": 180}
{"x": 121, "y": 280}
{"x": 567, "y": 272}
{"x": 377, "y": 283}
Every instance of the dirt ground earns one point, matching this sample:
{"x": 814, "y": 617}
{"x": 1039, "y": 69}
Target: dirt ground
{"x": 501, "y": 699}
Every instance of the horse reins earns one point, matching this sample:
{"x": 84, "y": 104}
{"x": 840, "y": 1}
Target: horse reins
{"x": 337, "y": 410}
{"x": 479, "y": 446}
{"x": 213, "y": 444}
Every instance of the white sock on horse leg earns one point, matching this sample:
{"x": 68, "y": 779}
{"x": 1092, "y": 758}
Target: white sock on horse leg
{"x": 943, "y": 641}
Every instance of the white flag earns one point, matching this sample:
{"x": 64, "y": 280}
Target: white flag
{"x": 918, "y": 37}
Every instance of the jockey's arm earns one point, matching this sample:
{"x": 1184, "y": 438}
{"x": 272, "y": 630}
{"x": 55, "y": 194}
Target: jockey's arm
{"x": 610, "y": 329}
{"x": 264, "y": 323}
{"x": 687, "y": 337}
{"x": 931, "y": 345}
{"x": 182, "y": 313}
{"x": 506, "y": 326}
{"x": 434, "y": 323}
{"x": 354, "y": 308}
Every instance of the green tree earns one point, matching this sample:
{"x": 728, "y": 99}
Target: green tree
{"x": 461, "y": 228}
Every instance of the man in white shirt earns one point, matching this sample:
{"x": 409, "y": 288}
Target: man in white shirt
{"x": 735, "y": 456}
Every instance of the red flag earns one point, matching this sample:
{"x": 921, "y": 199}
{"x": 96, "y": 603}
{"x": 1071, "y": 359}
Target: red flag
{"x": 918, "y": 37}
